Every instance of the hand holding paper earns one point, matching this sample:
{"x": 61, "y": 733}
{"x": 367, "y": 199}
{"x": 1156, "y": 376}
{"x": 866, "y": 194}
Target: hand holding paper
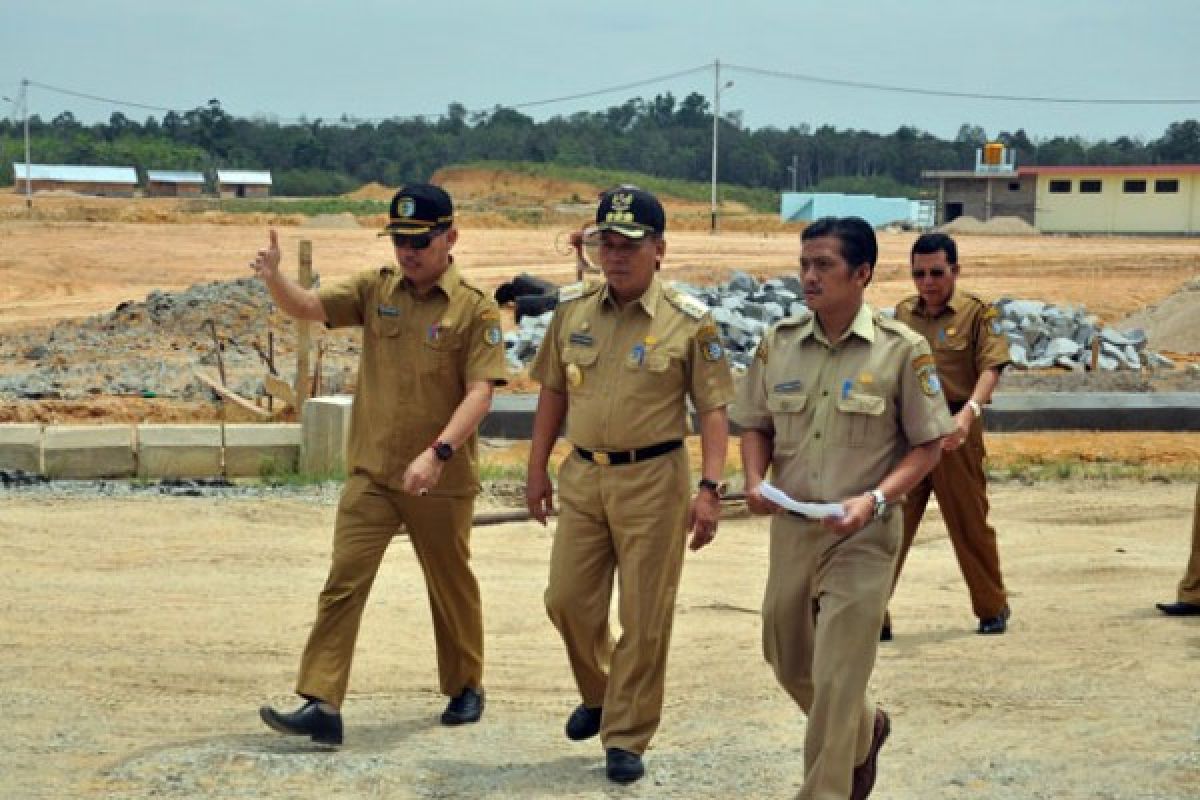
{"x": 810, "y": 510}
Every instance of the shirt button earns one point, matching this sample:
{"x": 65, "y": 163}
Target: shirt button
{"x": 825, "y": 393}
{"x": 817, "y": 435}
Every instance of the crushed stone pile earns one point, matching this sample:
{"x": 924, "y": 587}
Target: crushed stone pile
{"x": 996, "y": 226}
{"x": 1042, "y": 335}
{"x": 148, "y": 348}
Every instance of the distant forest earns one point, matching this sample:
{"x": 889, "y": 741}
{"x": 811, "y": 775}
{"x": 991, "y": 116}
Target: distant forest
{"x": 662, "y": 136}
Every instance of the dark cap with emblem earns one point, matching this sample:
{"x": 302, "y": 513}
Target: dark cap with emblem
{"x": 631, "y": 212}
{"x": 419, "y": 208}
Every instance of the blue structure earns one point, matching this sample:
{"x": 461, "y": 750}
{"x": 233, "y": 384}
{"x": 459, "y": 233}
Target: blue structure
{"x": 879, "y": 211}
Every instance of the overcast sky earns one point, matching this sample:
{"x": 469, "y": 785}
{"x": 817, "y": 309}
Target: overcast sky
{"x": 372, "y": 59}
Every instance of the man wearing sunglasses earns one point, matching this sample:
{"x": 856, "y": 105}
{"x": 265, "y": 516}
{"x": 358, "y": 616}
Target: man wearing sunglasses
{"x": 618, "y": 364}
{"x": 432, "y": 351}
{"x": 970, "y": 350}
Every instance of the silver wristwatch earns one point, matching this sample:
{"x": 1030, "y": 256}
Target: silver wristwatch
{"x": 880, "y": 502}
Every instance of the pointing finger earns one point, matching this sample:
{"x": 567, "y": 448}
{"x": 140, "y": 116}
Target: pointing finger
{"x": 274, "y": 239}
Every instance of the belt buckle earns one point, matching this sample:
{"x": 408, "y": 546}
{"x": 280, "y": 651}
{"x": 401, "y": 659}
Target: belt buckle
{"x": 601, "y": 458}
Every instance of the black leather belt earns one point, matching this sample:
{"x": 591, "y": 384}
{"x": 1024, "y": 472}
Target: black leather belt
{"x": 612, "y": 458}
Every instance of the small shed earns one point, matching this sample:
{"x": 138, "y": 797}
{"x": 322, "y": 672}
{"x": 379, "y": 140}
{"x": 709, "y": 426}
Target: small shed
{"x": 173, "y": 183}
{"x": 878, "y": 211}
{"x": 243, "y": 183}
{"x": 102, "y": 181}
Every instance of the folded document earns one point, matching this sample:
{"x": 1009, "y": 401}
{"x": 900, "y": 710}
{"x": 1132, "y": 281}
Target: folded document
{"x": 810, "y": 510}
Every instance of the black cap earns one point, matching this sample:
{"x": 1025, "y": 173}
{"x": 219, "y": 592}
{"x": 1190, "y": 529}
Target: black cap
{"x": 631, "y": 212}
{"x": 419, "y": 208}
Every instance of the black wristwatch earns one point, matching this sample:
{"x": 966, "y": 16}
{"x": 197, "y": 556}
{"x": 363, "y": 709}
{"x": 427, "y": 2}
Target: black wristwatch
{"x": 443, "y": 450}
{"x": 716, "y": 488}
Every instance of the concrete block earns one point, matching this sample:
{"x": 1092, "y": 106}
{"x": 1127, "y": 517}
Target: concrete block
{"x": 21, "y": 447}
{"x": 88, "y": 451}
{"x": 179, "y": 451}
{"x": 326, "y": 422}
{"x": 255, "y": 449}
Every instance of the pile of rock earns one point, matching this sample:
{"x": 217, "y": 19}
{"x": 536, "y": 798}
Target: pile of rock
{"x": 742, "y": 307}
{"x": 1042, "y": 336}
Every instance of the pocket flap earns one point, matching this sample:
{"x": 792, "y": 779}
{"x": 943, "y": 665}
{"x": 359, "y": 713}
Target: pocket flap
{"x": 856, "y": 403}
{"x": 786, "y": 403}
{"x": 583, "y": 356}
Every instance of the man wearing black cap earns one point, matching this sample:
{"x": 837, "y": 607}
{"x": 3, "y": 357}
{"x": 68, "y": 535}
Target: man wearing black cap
{"x": 432, "y": 352}
{"x": 618, "y": 363}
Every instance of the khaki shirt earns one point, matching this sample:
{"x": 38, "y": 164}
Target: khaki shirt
{"x": 842, "y": 414}
{"x": 418, "y": 355}
{"x": 965, "y": 337}
{"x": 626, "y": 371}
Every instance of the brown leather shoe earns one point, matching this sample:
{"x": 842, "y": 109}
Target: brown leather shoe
{"x": 864, "y": 773}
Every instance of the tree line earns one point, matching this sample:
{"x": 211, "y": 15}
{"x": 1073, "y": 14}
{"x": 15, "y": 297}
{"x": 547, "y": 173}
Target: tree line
{"x": 663, "y": 136}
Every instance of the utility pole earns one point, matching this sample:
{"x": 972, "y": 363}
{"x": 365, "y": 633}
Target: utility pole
{"x": 28, "y": 167}
{"x": 794, "y": 168}
{"x": 717, "y": 88}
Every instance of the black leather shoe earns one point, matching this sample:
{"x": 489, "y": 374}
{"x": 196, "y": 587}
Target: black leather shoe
{"x": 994, "y": 625}
{"x": 324, "y": 727}
{"x": 623, "y": 766}
{"x": 584, "y": 723}
{"x": 466, "y": 707}
{"x": 1180, "y": 609}
{"x": 864, "y": 773}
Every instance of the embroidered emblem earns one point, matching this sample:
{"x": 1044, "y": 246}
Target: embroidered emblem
{"x": 713, "y": 350}
{"x": 927, "y": 377}
{"x": 493, "y": 336}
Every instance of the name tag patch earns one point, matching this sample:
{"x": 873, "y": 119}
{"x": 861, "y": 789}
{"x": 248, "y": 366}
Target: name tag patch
{"x": 388, "y": 311}
{"x": 788, "y": 387}
{"x": 584, "y": 339}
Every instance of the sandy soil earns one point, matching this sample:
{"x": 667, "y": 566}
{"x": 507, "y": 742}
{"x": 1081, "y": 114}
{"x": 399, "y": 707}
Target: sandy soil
{"x": 138, "y": 636}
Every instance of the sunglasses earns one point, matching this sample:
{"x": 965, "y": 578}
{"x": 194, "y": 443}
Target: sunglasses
{"x": 414, "y": 241}
{"x": 919, "y": 274}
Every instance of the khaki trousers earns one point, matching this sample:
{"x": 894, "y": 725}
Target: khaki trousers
{"x": 960, "y": 485}
{"x": 1189, "y": 587}
{"x": 626, "y": 519}
{"x": 368, "y": 516}
{"x": 822, "y": 610}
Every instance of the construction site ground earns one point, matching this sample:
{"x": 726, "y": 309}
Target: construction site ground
{"x": 139, "y": 636}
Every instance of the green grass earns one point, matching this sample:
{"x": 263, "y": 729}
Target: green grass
{"x": 1031, "y": 471}
{"x": 309, "y": 206}
{"x": 763, "y": 200}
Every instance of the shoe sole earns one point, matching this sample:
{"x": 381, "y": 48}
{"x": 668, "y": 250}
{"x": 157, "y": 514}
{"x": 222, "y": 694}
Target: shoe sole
{"x": 269, "y": 718}
{"x": 883, "y": 736}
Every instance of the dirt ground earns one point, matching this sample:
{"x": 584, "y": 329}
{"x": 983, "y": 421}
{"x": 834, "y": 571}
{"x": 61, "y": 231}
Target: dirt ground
{"x": 138, "y": 637}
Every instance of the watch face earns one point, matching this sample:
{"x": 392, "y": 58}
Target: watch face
{"x": 443, "y": 451}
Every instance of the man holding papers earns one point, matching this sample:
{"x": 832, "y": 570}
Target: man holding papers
{"x": 844, "y": 406}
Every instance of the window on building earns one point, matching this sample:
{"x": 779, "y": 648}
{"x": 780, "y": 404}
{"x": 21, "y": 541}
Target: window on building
{"x": 1014, "y": 186}
{"x": 1090, "y": 187}
{"x": 1166, "y": 186}
{"x": 1060, "y": 187}
{"x": 1135, "y": 187}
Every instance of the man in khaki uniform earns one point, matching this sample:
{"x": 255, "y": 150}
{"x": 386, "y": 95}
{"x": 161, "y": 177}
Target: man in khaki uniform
{"x": 617, "y": 364}
{"x": 843, "y": 405}
{"x": 432, "y": 351}
{"x": 970, "y": 351}
{"x": 1187, "y": 603}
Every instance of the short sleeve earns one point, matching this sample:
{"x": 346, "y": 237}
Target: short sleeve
{"x": 547, "y": 366}
{"x": 991, "y": 351}
{"x": 923, "y": 413}
{"x": 710, "y": 380}
{"x": 345, "y": 302}
{"x": 749, "y": 409}
{"x": 485, "y": 345}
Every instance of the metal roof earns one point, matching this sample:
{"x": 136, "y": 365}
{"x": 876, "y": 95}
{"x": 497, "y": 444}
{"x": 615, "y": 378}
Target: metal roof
{"x": 75, "y": 174}
{"x": 1128, "y": 169}
{"x": 246, "y": 176}
{"x": 173, "y": 176}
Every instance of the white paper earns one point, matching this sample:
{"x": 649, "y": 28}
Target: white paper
{"x": 810, "y": 510}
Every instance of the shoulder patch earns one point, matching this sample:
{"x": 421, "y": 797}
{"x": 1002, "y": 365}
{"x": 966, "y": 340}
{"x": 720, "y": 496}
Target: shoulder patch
{"x": 687, "y": 304}
{"x": 466, "y": 284}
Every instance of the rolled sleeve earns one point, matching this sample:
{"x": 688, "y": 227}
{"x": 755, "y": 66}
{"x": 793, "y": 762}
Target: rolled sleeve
{"x": 992, "y": 350}
{"x": 923, "y": 413}
{"x": 710, "y": 380}
{"x": 345, "y": 302}
{"x": 749, "y": 408}
{"x": 547, "y": 368}
{"x": 485, "y": 346}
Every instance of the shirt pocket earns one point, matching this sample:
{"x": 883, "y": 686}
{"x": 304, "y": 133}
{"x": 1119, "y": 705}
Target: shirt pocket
{"x": 651, "y": 375}
{"x": 384, "y": 327}
{"x": 441, "y": 353}
{"x": 787, "y": 415}
{"x": 859, "y": 414}
{"x": 579, "y": 364}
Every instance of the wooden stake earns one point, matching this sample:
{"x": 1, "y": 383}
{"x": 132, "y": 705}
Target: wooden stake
{"x": 304, "y": 333}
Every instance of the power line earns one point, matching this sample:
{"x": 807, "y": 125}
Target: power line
{"x": 109, "y": 100}
{"x": 883, "y": 87}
